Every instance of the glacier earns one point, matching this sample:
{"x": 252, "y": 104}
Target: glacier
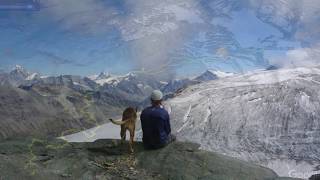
{"x": 267, "y": 117}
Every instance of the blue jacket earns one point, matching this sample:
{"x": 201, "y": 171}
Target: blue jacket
{"x": 155, "y": 123}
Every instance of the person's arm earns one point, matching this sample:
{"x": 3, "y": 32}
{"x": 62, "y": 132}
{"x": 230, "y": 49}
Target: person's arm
{"x": 142, "y": 119}
{"x": 167, "y": 123}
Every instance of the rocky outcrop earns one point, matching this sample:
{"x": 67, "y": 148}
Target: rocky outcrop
{"x": 30, "y": 159}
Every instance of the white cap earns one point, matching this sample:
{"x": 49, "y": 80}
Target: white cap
{"x": 156, "y": 95}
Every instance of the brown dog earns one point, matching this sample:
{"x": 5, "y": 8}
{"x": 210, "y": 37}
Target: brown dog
{"x": 128, "y": 122}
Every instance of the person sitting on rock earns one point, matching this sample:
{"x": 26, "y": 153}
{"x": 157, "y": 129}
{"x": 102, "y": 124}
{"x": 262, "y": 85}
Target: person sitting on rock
{"x": 155, "y": 123}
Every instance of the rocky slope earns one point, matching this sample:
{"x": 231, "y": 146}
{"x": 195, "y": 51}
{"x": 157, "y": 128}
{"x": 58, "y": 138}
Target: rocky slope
{"x": 30, "y": 159}
{"x": 53, "y": 106}
{"x": 57, "y": 105}
{"x": 268, "y": 117}
{"x": 49, "y": 111}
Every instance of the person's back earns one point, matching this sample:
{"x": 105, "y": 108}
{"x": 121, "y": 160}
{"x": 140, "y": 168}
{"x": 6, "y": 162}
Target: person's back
{"x": 155, "y": 123}
{"x": 155, "y": 126}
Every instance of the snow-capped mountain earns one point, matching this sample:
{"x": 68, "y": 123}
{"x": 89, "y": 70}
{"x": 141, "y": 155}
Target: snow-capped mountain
{"x": 17, "y": 76}
{"x": 207, "y": 76}
{"x": 176, "y": 85}
{"x": 20, "y": 77}
{"x": 19, "y": 73}
{"x": 146, "y": 82}
{"x": 134, "y": 86}
{"x": 137, "y": 86}
{"x": 221, "y": 74}
{"x": 77, "y": 83}
{"x": 106, "y": 78}
{"x": 268, "y": 117}
{"x": 102, "y": 75}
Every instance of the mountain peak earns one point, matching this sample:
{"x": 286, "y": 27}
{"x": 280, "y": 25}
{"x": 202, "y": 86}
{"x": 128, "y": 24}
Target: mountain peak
{"x": 103, "y": 75}
{"x": 18, "y": 67}
{"x": 20, "y": 71}
{"x": 221, "y": 74}
{"x": 272, "y": 67}
{"x": 207, "y": 76}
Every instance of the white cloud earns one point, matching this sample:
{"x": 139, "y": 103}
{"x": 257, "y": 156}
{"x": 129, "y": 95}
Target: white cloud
{"x": 155, "y": 27}
{"x": 302, "y": 57}
{"x": 300, "y": 20}
{"x": 151, "y": 28}
{"x": 309, "y": 29}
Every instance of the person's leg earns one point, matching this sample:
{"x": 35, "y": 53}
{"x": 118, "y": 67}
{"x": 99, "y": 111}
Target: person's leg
{"x": 171, "y": 138}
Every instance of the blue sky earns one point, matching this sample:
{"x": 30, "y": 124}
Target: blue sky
{"x": 177, "y": 37}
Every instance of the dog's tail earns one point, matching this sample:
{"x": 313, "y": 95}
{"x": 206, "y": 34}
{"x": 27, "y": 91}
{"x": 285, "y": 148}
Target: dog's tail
{"x": 118, "y": 122}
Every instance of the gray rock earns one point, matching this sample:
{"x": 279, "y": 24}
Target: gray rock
{"x": 109, "y": 159}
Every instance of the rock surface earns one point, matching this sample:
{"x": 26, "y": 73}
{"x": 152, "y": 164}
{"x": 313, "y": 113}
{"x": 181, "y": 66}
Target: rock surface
{"x": 109, "y": 159}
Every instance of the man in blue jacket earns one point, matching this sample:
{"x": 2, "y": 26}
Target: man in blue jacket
{"x": 155, "y": 123}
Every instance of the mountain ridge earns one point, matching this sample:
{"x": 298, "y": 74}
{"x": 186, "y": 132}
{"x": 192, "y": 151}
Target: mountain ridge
{"x": 78, "y": 101}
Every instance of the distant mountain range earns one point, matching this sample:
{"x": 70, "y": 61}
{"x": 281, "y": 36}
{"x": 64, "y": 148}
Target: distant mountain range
{"x": 33, "y": 103}
{"x": 131, "y": 84}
